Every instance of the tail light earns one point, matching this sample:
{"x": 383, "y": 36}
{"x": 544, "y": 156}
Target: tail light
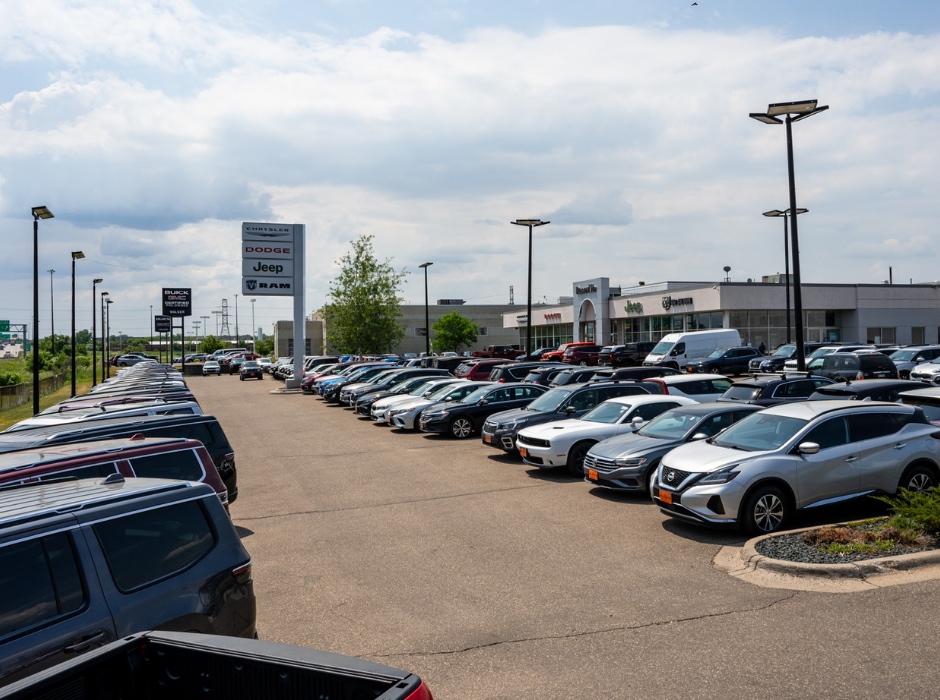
{"x": 242, "y": 573}
{"x": 422, "y": 692}
{"x": 656, "y": 380}
{"x": 859, "y": 376}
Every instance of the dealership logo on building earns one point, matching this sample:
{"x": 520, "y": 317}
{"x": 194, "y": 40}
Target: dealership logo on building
{"x": 669, "y": 302}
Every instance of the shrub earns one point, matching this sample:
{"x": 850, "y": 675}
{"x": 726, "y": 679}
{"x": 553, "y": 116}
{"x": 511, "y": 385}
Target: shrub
{"x": 915, "y": 510}
{"x": 10, "y": 378}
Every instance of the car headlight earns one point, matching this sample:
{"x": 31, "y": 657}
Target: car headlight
{"x": 631, "y": 462}
{"x": 722, "y": 476}
{"x": 397, "y": 411}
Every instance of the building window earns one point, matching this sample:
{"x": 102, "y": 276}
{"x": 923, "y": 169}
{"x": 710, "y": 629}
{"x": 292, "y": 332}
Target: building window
{"x": 881, "y": 335}
{"x": 420, "y": 332}
{"x": 482, "y": 330}
{"x": 917, "y": 335}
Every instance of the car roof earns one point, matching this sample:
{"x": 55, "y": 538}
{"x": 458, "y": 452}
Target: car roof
{"x": 71, "y": 450}
{"x": 691, "y": 377}
{"x": 808, "y": 410}
{"x": 861, "y": 386}
{"x": 710, "y": 407}
{"x": 633, "y": 399}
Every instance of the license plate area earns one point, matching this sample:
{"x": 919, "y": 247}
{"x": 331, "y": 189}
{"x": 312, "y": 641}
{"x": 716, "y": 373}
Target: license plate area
{"x": 665, "y": 496}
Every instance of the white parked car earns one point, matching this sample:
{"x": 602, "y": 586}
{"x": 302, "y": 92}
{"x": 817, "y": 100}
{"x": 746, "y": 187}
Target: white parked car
{"x": 405, "y": 416}
{"x": 703, "y": 388}
{"x": 380, "y": 408}
{"x": 564, "y": 443}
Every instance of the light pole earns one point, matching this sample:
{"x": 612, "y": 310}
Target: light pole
{"x": 76, "y": 255}
{"x": 236, "y": 320}
{"x": 151, "y": 328}
{"x": 104, "y": 356}
{"x": 254, "y": 336}
{"x": 205, "y": 326}
{"x": 216, "y": 313}
{"x": 107, "y": 362}
{"x": 94, "y": 331}
{"x": 786, "y": 255}
{"x": 528, "y": 314}
{"x": 794, "y": 111}
{"x": 427, "y": 324}
{"x": 38, "y": 213}
{"x": 196, "y": 325}
{"x": 52, "y": 309}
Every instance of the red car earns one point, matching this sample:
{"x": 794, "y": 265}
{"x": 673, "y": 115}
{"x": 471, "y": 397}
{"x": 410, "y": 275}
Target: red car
{"x": 479, "y": 370}
{"x": 582, "y": 355}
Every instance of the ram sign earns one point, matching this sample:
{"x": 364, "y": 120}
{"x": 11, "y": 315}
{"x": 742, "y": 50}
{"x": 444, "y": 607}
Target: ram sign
{"x": 268, "y": 258}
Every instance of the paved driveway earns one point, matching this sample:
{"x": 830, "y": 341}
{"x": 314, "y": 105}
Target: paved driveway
{"x": 491, "y": 580}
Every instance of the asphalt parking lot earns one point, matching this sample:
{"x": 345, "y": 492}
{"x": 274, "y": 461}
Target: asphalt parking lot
{"x": 491, "y": 580}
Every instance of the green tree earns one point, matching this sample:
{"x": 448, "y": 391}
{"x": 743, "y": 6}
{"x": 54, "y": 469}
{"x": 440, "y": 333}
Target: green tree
{"x": 453, "y": 331}
{"x": 363, "y": 314}
{"x": 210, "y": 344}
{"x": 264, "y": 347}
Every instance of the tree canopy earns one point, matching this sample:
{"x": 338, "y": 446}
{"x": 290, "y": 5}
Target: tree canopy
{"x": 363, "y": 314}
{"x": 453, "y": 331}
{"x": 210, "y": 344}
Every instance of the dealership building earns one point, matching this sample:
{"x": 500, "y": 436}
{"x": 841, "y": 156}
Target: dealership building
{"x": 847, "y": 313}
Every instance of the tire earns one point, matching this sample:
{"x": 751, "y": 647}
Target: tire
{"x": 918, "y": 478}
{"x": 583, "y": 363}
{"x": 765, "y": 511}
{"x": 576, "y": 458}
{"x": 461, "y": 428}
{"x": 651, "y": 480}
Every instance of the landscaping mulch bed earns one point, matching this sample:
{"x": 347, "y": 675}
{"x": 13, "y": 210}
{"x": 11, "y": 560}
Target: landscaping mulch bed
{"x": 791, "y": 547}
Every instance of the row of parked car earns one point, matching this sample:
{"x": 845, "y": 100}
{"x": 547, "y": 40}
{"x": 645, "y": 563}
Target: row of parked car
{"x": 746, "y": 454}
{"x": 114, "y": 519}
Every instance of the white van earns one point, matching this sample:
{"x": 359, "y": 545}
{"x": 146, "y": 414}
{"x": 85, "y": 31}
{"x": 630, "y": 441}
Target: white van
{"x": 677, "y": 349}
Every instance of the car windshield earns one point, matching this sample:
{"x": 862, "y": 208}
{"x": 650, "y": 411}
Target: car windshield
{"x": 250, "y": 365}
{"x": 670, "y": 425}
{"x": 550, "y": 400}
{"x": 785, "y": 351}
{"x": 717, "y": 353}
{"x": 607, "y": 412}
{"x": 212, "y": 363}
{"x": 440, "y": 392}
{"x": 822, "y": 352}
{"x": 759, "y": 432}
{"x": 662, "y": 348}
{"x": 742, "y": 393}
{"x": 475, "y": 396}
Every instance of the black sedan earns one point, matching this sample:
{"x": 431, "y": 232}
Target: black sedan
{"x": 732, "y": 361}
{"x": 771, "y": 389}
{"x": 463, "y": 418}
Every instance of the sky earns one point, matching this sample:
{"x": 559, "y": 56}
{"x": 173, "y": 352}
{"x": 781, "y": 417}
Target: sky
{"x": 153, "y": 129}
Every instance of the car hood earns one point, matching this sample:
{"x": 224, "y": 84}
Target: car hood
{"x": 928, "y": 367}
{"x": 520, "y": 414}
{"x": 393, "y": 400}
{"x": 631, "y": 445}
{"x": 571, "y": 427}
{"x": 702, "y": 456}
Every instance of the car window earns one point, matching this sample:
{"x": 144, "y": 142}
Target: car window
{"x": 181, "y": 464}
{"x": 760, "y": 431}
{"x": 695, "y": 387}
{"x": 39, "y": 581}
{"x": 830, "y": 433}
{"x": 798, "y": 389}
{"x": 742, "y": 392}
{"x": 649, "y": 411}
{"x": 718, "y": 386}
{"x": 679, "y": 349}
{"x": 499, "y": 396}
{"x": 621, "y": 390}
{"x": 143, "y": 548}
{"x": 671, "y": 425}
{"x": 93, "y": 471}
{"x": 584, "y": 400}
{"x": 866, "y": 426}
{"x": 717, "y": 423}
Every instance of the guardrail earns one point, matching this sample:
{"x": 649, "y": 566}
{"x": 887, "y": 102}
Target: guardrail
{"x": 18, "y": 394}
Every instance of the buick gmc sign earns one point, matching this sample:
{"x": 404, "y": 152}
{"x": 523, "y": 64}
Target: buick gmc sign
{"x": 177, "y": 301}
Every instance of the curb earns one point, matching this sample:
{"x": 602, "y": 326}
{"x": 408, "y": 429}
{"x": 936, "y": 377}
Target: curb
{"x": 860, "y": 569}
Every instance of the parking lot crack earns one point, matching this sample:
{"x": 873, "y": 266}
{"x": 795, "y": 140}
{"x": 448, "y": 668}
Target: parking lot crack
{"x": 386, "y": 504}
{"x": 589, "y": 633}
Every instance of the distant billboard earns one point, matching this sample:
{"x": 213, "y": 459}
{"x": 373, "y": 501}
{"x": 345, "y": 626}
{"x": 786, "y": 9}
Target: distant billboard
{"x": 177, "y": 301}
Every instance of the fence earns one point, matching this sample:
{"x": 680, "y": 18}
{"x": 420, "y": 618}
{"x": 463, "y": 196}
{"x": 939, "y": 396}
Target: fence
{"x": 18, "y": 394}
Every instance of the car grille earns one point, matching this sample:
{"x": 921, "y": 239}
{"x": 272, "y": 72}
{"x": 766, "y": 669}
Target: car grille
{"x": 601, "y": 464}
{"x": 533, "y": 442}
{"x": 673, "y": 478}
{"x": 489, "y": 427}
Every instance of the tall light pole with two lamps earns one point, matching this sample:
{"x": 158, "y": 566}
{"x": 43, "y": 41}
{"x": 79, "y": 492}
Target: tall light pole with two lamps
{"x": 106, "y": 363}
{"x": 427, "y": 314}
{"x": 76, "y": 255}
{"x": 104, "y": 355}
{"x": 38, "y": 213}
{"x": 531, "y": 223}
{"x": 786, "y": 255}
{"x": 794, "y": 112}
{"x": 94, "y": 330}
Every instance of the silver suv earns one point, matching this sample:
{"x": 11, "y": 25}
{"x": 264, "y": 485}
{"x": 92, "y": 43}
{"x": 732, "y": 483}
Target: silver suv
{"x": 762, "y": 469}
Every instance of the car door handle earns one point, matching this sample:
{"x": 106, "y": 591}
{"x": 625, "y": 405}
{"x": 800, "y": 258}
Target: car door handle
{"x": 85, "y": 643}
{"x": 853, "y": 458}
{"x": 900, "y": 446}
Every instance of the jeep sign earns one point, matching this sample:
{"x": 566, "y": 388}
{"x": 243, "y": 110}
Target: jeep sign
{"x": 252, "y": 267}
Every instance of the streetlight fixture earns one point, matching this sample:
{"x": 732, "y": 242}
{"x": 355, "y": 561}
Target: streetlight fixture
{"x": 427, "y": 317}
{"x": 104, "y": 356}
{"x": 52, "y": 309}
{"x": 794, "y": 112}
{"x": 94, "y": 331}
{"x": 76, "y": 255}
{"x": 531, "y": 223}
{"x": 38, "y": 213}
{"x": 107, "y": 362}
{"x": 254, "y": 332}
{"x": 786, "y": 255}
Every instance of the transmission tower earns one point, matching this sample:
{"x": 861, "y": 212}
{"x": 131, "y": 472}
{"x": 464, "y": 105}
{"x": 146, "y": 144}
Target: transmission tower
{"x": 225, "y": 330}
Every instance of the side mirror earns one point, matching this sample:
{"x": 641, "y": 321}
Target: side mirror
{"x": 483, "y": 402}
{"x": 698, "y": 436}
{"x": 808, "y": 448}
{"x": 637, "y": 422}
{"x": 570, "y": 409}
